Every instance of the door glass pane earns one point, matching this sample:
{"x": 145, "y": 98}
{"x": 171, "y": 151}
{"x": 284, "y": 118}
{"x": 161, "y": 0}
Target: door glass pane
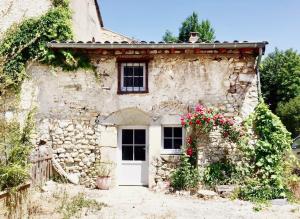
{"x": 167, "y": 132}
{"x": 139, "y": 153}
{"x": 177, "y": 132}
{"x": 177, "y": 143}
{"x": 167, "y": 143}
{"x": 127, "y": 152}
{"x": 127, "y": 136}
{"x": 140, "y": 136}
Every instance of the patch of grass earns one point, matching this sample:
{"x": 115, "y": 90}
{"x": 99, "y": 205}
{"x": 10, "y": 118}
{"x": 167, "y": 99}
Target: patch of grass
{"x": 71, "y": 207}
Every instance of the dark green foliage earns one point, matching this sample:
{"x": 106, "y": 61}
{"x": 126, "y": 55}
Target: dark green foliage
{"x": 185, "y": 176}
{"x": 28, "y": 41}
{"x": 289, "y": 114}
{"x": 169, "y": 37}
{"x": 220, "y": 173}
{"x": 258, "y": 191}
{"x": 62, "y": 3}
{"x": 266, "y": 161}
{"x": 280, "y": 77}
{"x": 192, "y": 24}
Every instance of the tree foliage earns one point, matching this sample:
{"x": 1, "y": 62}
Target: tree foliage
{"x": 289, "y": 114}
{"x": 280, "y": 77}
{"x": 192, "y": 24}
{"x": 169, "y": 37}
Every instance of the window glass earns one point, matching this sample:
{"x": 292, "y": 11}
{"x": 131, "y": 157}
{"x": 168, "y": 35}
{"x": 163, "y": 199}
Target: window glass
{"x": 133, "y": 77}
{"x": 178, "y": 132}
{"x": 172, "y": 138}
{"x": 168, "y": 144}
{"x": 167, "y": 132}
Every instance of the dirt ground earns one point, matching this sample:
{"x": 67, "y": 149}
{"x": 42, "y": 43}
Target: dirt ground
{"x": 140, "y": 202}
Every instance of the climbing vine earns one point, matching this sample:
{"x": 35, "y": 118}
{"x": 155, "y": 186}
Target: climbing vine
{"x": 265, "y": 162}
{"x": 28, "y": 42}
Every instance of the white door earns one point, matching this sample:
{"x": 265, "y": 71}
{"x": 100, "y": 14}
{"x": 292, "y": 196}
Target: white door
{"x": 133, "y": 167}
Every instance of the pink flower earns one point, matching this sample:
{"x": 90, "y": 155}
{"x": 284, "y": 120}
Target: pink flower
{"x": 198, "y": 122}
{"x": 183, "y": 123}
{"x": 199, "y": 108}
{"x": 189, "y": 116}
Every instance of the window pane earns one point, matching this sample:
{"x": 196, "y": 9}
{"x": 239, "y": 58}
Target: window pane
{"x": 128, "y": 81}
{"x": 138, "y": 71}
{"x": 127, "y": 152}
{"x": 167, "y": 132}
{"x": 138, "y": 82}
{"x": 167, "y": 143}
{"x": 128, "y": 71}
{"x": 127, "y": 136}
{"x": 139, "y": 153}
{"x": 177, "y": 132}
{"x": 140, "y": 136}
{"x": 177, "y": 143}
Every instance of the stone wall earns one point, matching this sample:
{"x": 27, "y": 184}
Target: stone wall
{"x": 73, "y": 105}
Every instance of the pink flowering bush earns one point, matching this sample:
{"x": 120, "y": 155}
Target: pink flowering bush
{"x": 202, "y": 121}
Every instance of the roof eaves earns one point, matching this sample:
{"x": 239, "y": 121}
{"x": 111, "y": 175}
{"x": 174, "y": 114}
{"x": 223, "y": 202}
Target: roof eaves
{"x": 160, "y": 45}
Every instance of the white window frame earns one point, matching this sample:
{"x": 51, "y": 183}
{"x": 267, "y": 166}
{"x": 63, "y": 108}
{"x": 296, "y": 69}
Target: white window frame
{"x": 172, "y": 151}
{"x": 133, "y": 89}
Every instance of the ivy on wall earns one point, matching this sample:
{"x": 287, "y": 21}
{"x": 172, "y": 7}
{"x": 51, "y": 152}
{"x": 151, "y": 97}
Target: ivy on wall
{"x": 28, "y": 42}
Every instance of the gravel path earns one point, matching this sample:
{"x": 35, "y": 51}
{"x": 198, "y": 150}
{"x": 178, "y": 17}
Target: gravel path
{"x": 139, "y": 202}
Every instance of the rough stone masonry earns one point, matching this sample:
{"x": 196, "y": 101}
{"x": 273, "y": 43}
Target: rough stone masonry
{"x": 71, "y": 104}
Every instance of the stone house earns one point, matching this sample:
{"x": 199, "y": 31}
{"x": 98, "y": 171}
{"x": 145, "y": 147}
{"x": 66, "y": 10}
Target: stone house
{"x": 128, "y": 111}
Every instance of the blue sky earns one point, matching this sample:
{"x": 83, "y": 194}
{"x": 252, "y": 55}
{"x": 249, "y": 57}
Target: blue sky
{"x": 276, "y": 21}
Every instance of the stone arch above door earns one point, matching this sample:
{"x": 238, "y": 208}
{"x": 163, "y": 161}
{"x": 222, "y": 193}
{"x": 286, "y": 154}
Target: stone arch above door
{"x": 127, "y": 116}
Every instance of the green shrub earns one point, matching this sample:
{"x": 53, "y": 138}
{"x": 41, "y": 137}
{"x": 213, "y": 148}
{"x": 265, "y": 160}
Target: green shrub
{"x": 289, "y": 114}
{"x": 218, "y": 173}
{"x": 12, "y": 175}
{"x": 266, "y": 161}
{"x": 185, "y": 176}
{"x": 14, "y": 164}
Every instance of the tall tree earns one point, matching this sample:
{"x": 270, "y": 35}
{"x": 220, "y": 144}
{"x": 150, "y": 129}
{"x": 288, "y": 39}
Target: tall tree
{"x": 192, "y": 24}
{"x": 169, "y": 37}
{"x": 280, "y": 77}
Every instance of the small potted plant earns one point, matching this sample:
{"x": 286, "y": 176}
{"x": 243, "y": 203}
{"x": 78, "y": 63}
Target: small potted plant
{"x": 103, "y": 171}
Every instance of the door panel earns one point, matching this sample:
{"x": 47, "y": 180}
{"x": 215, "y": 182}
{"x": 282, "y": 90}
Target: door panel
{"x": 133, "y": 161}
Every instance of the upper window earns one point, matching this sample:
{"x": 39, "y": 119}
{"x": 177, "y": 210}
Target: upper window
{"x": 133, "y": 78}
{"x": 172, "y": 139}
